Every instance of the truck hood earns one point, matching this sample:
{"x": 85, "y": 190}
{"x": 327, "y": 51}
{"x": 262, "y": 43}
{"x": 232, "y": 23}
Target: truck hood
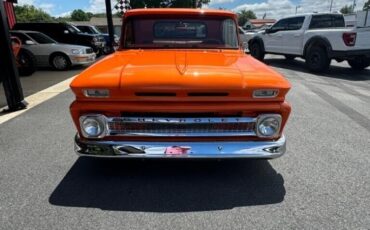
{"x": 191, "y": 75}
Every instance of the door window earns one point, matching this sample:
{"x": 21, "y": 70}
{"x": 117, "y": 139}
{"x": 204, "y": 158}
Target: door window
{"x": 326, "y": 21}
{"x": 21, "y": 37}
{"x": 295, "y": 23}
{"x": 280, "y": 25}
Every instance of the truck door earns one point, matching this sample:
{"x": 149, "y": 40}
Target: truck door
{"x": 292, "y": 42}
{"x": 273, "y": 39}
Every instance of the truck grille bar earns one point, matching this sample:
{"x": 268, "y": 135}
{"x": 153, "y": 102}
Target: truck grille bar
{"x": 181, "y": 127}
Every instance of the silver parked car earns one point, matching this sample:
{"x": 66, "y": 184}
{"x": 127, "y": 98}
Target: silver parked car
{"x": 48, "y": 52}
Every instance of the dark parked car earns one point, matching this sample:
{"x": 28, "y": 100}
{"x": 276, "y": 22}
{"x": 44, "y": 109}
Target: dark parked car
{"x": 93, "y": 30}
{"x": 65, "y": 33}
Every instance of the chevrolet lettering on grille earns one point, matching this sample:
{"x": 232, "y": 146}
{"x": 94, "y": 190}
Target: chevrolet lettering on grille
{"x": 184, "y": 120}
{"x": 189, "y": 127}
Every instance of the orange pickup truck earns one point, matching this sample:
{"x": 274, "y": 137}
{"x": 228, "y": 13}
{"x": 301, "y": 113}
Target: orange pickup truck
{"x": 180, "y": 86}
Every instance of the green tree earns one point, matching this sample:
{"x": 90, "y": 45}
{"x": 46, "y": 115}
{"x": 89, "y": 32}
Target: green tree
{"x": 79, "y": 15}
{"x": 347, "y": 9}
{"x": 89, "y": 15}
{"x": 367, "y": 5}
{"x": 244, "y": 16}
{"x": 29, "y": 13}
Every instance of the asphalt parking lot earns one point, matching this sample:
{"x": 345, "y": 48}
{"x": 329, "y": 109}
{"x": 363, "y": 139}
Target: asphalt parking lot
{"x": 323, "y": 181}
{"x": 42, "y": 79}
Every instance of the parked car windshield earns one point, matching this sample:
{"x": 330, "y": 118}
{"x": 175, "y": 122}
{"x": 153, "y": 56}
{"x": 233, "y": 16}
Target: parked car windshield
{"x": 149, "y": 33}
{"x": 73, "y": 29}
{"x": 41, "y": 38}
{"x": 95, "y": 30}
{"x": 89, "y": 29}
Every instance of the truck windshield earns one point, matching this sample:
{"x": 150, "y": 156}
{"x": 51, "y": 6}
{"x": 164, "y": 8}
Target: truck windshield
{"x": 202, "y": 32}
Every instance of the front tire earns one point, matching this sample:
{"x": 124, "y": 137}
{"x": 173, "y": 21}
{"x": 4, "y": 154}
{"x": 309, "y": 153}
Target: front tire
{"x": 256, "y": 51}
{"x": 317, "y": 59}
{"x": 359, "y": 63}
{"x": 27, "y": 63}
{"x": 60, "y": 62}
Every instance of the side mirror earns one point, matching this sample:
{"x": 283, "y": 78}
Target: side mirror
{"x": 66, "y": 32}
{"x": 268, "y": 31}
{"x": 29, "y": 42}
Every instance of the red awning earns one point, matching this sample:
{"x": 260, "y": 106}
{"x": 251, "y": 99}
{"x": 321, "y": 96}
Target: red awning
{"x": 9, "y": 9}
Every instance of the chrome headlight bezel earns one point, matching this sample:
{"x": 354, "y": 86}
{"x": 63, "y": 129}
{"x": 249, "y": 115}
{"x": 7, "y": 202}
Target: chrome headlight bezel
{"x": 268, "y": 118}
{"x": 99, "y": 119}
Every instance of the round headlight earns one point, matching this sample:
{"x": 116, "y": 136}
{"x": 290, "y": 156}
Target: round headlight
{"x": 92, "y": 127}
{"x": 269, "y": 126}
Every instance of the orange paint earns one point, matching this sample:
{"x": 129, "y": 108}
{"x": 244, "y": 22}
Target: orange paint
{"x": 169, "y": 80}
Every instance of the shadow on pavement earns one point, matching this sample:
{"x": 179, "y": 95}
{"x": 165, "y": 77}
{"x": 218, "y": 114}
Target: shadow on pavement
{"x": 339, "y": 72}
{"x": 168, "y": 186}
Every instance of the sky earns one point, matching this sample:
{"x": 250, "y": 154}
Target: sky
{"x": 273, "y": 8}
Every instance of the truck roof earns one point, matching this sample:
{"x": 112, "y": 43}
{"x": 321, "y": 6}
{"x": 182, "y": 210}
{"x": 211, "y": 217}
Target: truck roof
{"x": 308, "y": 14}
{"x": 180, "y": 11}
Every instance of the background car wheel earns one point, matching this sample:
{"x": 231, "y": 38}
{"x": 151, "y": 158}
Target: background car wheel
{"x": 257, "y": 51}
{"x": 359, "y": 63}
{"x": 60, "y": 62}
{"x": 317, "y": 59}
{"x": 26, "y": 63}
{"x": 289, "y": 57}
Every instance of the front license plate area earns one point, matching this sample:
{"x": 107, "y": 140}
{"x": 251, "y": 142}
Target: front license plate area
{"x": 177, "y": 150}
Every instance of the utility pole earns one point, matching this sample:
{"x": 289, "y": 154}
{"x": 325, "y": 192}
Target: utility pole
{"x": 354, "y": 5}
{"x": 108, "y": 8}
{"x": 8, "y": 69}
{"x": 331, "y": 5}
{"x": 296, "y": 8}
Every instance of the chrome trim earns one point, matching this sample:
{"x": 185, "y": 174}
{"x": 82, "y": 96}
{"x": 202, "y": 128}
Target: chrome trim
{"x": 190, "y": 134}
{"x": 168, "y": 120}
{"x": 182, "y": 121}
{"x": 261, "y": 117}
{"x": 276, "y": 93}
{"x": 86, "y": 94}
{"x": 100, "y": 118}
{"x": 268, "y": 149}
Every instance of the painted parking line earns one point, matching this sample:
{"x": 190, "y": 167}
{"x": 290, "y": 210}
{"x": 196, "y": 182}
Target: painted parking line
{"x": 38, "y": 98}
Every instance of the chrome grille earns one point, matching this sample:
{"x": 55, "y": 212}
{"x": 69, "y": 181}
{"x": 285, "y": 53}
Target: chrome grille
{"x": 189, "y": 127}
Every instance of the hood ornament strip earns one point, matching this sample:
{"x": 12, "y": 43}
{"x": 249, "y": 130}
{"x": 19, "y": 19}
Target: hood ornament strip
{"x": 181, "y": 62}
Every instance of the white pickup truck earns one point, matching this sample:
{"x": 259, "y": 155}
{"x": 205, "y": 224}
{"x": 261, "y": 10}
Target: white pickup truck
{"x": 316, "y": 37}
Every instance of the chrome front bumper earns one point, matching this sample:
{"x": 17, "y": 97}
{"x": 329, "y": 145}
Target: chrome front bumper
{"x": 82, "y": 59}
{"x": 219, "y": 149}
